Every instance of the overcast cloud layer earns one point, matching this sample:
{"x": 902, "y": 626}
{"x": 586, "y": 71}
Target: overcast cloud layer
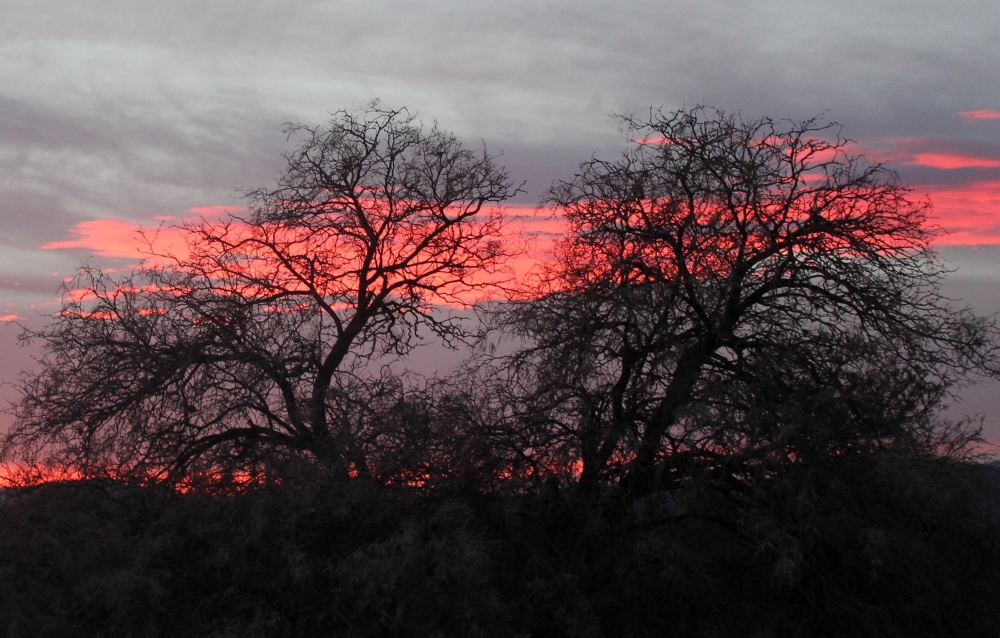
{"x": 131, "y": 111}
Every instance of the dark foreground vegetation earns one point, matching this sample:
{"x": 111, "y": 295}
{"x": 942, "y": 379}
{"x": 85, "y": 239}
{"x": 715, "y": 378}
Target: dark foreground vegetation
{"x": 867, "y": 547}
{"x": 716, "y": 409}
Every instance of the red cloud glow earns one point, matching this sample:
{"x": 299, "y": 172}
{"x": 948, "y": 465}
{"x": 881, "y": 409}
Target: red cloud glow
{"x": 943, "y": 154}
{"x": 117, "y": 238}
{"x": 215, "y": 211}
{"x": 970, "y": 213}
{"x": 104, "y": 237}
{"x": 948, "y": 161}
{"x": 981, "y": 114}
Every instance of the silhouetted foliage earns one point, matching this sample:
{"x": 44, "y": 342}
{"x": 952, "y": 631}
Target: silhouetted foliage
{"x": 252, "y": 338}
{"x": 724, "y": 283}
{"x": 723, "y": 415}
{"x": 874, "y": 546}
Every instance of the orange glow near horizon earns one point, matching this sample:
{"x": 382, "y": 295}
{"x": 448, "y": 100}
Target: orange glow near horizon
{"x": 28, "y": 475}
{"x": 223, "y": 483}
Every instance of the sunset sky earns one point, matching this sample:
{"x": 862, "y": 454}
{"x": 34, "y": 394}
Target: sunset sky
{"x": 117, "y": 114}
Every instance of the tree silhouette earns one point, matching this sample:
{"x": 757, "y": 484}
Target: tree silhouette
{"x": 740, "y": 350}
{"x": 726, "y": 287}
{"x": 247, "y": 341}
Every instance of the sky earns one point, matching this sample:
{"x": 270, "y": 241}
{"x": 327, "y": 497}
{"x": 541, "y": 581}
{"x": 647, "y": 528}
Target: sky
{"x": 118, "y": 114}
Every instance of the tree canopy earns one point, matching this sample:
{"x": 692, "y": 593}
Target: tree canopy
{"x": 732, "y": 296}
{"x": 245, "y": 341}
{"x": 742, "y": 290}
{"x": 719, "y": 409}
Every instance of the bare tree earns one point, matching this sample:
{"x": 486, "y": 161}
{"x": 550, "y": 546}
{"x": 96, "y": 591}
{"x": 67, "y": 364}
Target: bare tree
{"x": 249, "y": 340}
{"x": 716, "y": 253}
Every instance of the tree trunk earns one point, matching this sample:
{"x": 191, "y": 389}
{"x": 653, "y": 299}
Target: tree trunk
{"x": 641, "y": 476}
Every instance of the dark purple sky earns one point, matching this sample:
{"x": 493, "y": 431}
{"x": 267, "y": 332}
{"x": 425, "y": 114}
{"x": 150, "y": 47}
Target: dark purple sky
{"x": 114, "y": 113}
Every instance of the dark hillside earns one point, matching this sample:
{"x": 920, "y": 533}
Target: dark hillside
{"x": 888, "y": 549}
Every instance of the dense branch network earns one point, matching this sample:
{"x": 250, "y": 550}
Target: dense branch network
{"x": 723, "y": 267}
{"x": 241, "y": 343}
{"x": 732, "y": 297}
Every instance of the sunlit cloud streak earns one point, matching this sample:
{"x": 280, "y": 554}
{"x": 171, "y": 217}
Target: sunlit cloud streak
{"x": 960, "y": 177}
{"x": 103, "y": 237}
{"x": 946, "y": 161}
{"x": 943, "y": 154}
{"x": 981, "y": 114}
{"x": 969, "y": 213}
{"x": 118, "y": 238}
{"x": 166, "y": 243}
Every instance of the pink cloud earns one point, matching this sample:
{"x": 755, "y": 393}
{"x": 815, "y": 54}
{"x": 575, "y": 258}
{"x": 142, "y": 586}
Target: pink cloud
{"x": 110, "y": 237}
{"x": 212, "y": 211}
{"x": 650, "y": 140}
{"x": 981, "y": 114}
{"x": 9, "y": 318}
{"x": 949, "y": 161}
{"x": 117, "y": 238}
{"x": 970, "y": 212}
{"x": 944, "y": 154}
{"x": 105, "y": 237}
